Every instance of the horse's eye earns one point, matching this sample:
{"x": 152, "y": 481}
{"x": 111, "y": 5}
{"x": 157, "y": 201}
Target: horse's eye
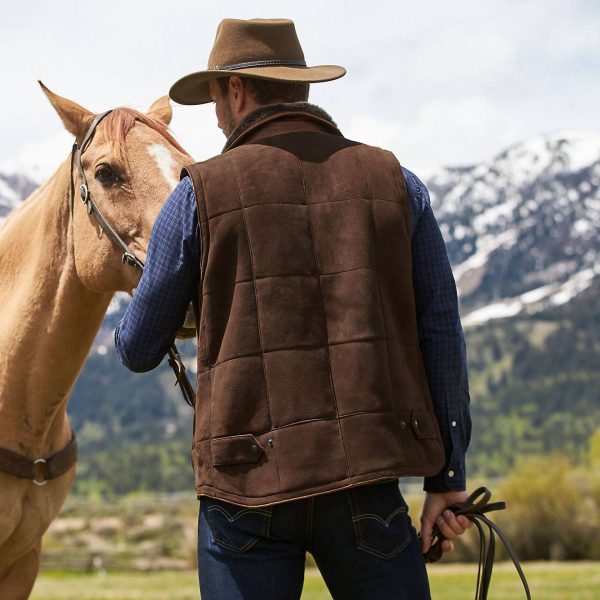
{"x": 105, "y": 175}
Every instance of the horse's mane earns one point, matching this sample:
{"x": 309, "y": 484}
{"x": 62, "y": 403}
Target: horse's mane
{"x": 120, "y": 121}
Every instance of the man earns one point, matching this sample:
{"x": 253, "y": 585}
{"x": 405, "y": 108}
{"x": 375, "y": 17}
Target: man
{"x": 331, "y": 359}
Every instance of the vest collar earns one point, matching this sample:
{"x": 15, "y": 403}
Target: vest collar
{"x": 311, "y": 114}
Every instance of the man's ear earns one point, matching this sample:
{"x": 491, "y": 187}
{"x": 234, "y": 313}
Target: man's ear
{"x": 238, "y": 95}
{"x": 76, "y": 119}
{"x": 161, "y": 110}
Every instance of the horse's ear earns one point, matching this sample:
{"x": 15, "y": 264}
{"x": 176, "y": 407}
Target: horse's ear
{"x": 75, "y": 118}
{"x": 161, "y": 110}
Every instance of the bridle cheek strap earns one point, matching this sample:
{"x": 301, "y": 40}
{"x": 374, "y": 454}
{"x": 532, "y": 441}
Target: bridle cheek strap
{"x": 129, "y": 256}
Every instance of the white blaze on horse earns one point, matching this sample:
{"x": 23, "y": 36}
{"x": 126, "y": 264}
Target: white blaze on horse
{"x": 58, "y": 272}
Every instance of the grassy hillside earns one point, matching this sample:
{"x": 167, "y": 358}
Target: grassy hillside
{"x": 534, "y": 380}
{"x": 535, "y": 384}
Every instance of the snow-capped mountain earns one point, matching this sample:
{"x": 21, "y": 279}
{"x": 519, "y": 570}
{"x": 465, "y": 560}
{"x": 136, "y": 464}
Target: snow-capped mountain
{"x": 522, "y": 235}
{"x": 13, "y": 189}
{"x": 522, "y": 230}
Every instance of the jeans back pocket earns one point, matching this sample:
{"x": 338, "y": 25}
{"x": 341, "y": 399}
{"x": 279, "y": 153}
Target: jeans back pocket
{"x": 380, "y": 518}
{"x": 235, "y": 527}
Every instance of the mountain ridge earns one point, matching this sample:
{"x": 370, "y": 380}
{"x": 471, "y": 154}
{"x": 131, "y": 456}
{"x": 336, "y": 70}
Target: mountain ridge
{"x": 525, "y": 220}
{"x": 521, "y": 232}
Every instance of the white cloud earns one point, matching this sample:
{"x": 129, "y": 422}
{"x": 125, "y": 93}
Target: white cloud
{"x": 439, "y": 82}
{"x": 461, "y": 55}
{"x": 194, "y": 128}
{"x": 440, "y": 132}
{"x": 39, "y": 159}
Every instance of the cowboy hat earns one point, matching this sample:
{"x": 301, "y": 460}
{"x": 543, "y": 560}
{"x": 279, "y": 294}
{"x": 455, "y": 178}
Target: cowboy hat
{"x": 260, "y": 48}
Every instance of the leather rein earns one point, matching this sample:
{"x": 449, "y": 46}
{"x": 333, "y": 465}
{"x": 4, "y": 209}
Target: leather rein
{"x": 474, "y": 508}
{"x": 42, "y": 470}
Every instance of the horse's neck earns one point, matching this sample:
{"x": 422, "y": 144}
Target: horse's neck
{"x": 48, "y": 320}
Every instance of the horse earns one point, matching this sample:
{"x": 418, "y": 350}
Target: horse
{"x": 58, "y": 272}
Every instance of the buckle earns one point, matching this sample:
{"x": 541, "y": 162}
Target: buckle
{"x": 130, "y": 259}
{"x": 84, "y": 193}
{"x": 44, "y": 481}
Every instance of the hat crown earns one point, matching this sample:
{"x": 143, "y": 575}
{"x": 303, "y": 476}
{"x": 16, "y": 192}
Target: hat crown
{"x": 241, "y": 41}
{"x": 259, "y": 48}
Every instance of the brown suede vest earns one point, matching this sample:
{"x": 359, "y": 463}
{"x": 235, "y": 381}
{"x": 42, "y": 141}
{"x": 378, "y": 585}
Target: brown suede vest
{"x": 310, "y": 376}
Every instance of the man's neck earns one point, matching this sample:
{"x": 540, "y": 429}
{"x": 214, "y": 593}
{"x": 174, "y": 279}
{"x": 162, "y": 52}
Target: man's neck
{"x": 265, "y": 110}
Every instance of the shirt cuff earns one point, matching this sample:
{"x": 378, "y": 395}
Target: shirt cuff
{"x": 452, "y": 478}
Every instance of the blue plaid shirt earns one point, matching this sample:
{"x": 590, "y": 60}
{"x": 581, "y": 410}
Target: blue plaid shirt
{"x": 171, "y": 276}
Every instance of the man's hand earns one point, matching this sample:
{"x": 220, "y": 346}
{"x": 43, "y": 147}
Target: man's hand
{"x": 188, "y": 329}
{"x": 448, "y": 523}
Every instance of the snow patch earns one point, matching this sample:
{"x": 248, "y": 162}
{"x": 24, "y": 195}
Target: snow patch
{"x": 485, "y": 246}
{"x": 573, "y": 287}
{"x": 582, "y": 226}
{"x": 119, "y": 300}
{"x": 498, "y": 310}
{"x": 8, "y": 197}
{"x": 584, "y": 149}
{"x": 566, "y": 151}
{"x": 533, "y": 301}
{"x": 492, "y": 215}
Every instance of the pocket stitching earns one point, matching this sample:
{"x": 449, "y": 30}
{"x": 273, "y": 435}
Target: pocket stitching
{"x": 357, "y": 517}
{"x": 386, "y": 522}
{"x": 240, "y": 513}
{"x": 266, "y": 522}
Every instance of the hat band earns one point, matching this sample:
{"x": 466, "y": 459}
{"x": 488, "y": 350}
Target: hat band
{"x": 259, "y": 63}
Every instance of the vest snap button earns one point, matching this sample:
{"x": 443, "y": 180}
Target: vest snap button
{"x": 254, "y": 448}
{"x": 403, "y": 424}
{"x": 416, "y": 423}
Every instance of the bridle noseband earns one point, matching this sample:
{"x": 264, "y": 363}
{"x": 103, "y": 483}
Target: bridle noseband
{"x": 129, "y": 256}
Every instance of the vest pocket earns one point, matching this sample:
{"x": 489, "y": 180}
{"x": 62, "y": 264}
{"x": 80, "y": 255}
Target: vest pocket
{"x": 236, "y": 528}
{"x": 380, "y": 518}
{"x": 236, "y": 450}
{"x": 422, "y": 424}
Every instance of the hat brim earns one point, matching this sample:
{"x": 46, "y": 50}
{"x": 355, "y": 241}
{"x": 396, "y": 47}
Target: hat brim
{"x": 193, "y": 88}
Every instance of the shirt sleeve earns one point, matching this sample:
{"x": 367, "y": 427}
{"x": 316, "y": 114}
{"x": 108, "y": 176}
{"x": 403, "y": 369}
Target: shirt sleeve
{"x": 441, "y": 338}
{"x": 170, "y": 279}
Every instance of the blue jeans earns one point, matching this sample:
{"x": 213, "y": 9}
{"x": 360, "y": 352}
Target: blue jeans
{"x": 362, "y": 540}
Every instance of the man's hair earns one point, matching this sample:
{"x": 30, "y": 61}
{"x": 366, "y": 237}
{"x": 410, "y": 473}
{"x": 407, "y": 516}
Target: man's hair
{"x": 267, "y": 91}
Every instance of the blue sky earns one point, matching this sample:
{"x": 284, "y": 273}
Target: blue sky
{"x": 439, "y": 83}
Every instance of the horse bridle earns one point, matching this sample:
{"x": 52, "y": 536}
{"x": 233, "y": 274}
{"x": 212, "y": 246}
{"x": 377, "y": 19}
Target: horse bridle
{"x": 42, "y": 470}
{"x": 129, "y": 256}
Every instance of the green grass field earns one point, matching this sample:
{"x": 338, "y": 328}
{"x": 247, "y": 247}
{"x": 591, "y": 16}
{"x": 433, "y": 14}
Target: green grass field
{"x": 548, "y": 581}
